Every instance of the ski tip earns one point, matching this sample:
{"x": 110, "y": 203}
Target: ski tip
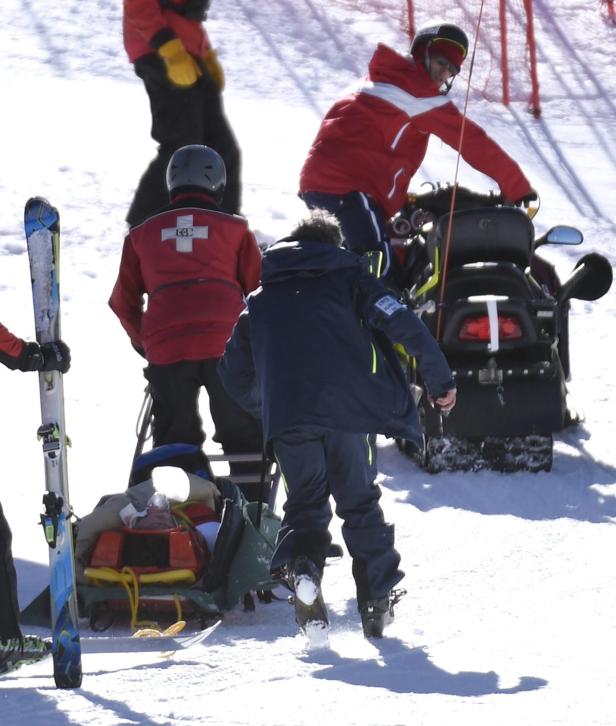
{"x": 37, "y": 200}
{"x": 38, "y": 213}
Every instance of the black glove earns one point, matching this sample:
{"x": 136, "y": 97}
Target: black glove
{"x": 54, "y": 356}
{"x": 524, "y": 201}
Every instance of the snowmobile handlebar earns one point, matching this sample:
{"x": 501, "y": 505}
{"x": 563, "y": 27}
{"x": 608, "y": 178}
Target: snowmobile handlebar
{"x": 421, "y": 209}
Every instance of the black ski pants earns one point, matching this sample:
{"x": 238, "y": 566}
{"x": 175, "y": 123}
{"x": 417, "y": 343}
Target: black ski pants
{"x": 317, "y": 463}
{"x": 175, "y": 390}
{"x": 182, "y": 116}
{"x": 9, "y": 605}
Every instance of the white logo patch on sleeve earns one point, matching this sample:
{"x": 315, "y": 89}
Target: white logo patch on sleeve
{"x": 389, "y": 305}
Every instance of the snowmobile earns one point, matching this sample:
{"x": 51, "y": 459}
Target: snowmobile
{"x": 500, "y": 314}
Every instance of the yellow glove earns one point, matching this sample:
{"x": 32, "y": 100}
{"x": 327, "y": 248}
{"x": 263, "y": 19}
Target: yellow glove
{"x": 182, "y": 68}
{"x": 214, "y": 68}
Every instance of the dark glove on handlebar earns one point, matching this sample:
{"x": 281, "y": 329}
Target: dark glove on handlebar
{"x": 524, "y": 201}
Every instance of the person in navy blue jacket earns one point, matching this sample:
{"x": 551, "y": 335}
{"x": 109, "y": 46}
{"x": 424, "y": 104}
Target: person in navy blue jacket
{"x": 312, "y": 357}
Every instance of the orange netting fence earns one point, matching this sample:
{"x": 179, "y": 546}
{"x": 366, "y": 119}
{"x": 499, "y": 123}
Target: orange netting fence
{"x": 505, "y": 66}
{"x": 505, "y": 62}
{"x": 608, "y": 10}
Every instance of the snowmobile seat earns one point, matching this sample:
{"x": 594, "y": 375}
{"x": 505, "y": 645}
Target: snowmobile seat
{"x": 489, "y": 278}
{"x": 501, "y": 234}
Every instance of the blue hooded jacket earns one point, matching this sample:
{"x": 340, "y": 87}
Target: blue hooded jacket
{"x": 314, "y": 347}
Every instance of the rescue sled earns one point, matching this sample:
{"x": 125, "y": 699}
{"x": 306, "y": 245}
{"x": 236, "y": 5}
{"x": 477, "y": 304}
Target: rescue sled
{"x": 141, "y": 574}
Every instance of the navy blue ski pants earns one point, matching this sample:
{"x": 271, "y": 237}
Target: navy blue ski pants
{"x": 361, "y": 220}
{"x": 317, "y": 463}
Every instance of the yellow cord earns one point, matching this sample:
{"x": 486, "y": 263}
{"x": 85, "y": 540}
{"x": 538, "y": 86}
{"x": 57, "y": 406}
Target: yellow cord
{"x": 130, "y": 581}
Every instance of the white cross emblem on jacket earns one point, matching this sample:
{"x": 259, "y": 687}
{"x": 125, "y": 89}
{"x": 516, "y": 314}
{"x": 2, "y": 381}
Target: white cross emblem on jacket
{"x": 184, "y": 233}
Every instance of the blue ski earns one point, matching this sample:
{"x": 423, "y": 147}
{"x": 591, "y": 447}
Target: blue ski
{"x": 42, "y": 226}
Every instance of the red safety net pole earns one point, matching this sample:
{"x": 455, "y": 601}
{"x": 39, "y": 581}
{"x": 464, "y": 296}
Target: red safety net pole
{"x": 504, "y": 56}
{"x": 610, "y": 10}
{"x": 411, "y": 13}
{"x": 532, "y": 50}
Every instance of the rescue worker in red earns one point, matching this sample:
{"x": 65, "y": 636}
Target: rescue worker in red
{"x": 171, "y": 52}
{"x": 15, "y": 648}
{"x": 196, "y": 264}
{"x": 372, "y": 142}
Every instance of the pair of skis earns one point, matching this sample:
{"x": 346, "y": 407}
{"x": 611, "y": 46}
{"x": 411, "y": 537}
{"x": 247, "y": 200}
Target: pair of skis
{"x": 42, "y": 228}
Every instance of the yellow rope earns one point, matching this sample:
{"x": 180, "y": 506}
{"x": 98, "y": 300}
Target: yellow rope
{"x": 131, "y": 585}
{"x": 130, "y": 581}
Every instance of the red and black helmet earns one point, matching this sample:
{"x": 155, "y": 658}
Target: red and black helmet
{"x": 449, "y": 37}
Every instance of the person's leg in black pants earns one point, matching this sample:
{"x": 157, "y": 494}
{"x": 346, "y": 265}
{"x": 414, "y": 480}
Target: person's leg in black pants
{"x": 182, "y": 116}
{"x": 300, "y": 453}
{"x": 9, "y": 606}
{"x": 175, "y": 403}
{"x": 236, "y": 430}
{"x": 369, "y": 539}
{"x": 218, "y": 134}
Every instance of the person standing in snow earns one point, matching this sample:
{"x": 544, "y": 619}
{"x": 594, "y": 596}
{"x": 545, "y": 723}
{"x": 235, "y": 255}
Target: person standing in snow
{"x": 195, "y": 264}
{"x": 171, "y": 52}
{"x": 312, "y": 356}
{"x": 372, "y": 142}
{"x": 16, "y": 648}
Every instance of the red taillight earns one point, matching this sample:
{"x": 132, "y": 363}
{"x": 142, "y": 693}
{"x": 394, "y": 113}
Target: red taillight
{"x": 477, "y": 328}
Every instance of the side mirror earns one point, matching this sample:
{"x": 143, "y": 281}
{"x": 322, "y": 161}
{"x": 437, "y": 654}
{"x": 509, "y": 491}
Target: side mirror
{"x": 562, "y": 234}
{"x": 590, "y": 280}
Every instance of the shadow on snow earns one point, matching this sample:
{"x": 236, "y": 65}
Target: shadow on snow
{"x": 402, "y": 669}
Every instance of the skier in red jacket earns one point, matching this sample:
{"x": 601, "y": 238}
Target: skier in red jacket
{"x": 372, "y": 142}
{"x": 196, "y": 264}
{"x": 15, "y": 648}
{"x": 169, "y": 47}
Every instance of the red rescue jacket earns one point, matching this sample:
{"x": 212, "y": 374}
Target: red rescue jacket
{"x": 196, "y": 265}
{"x": 11, "y": 347}
{"x": 375, "y": 139}
{"x": 147, "y": 26}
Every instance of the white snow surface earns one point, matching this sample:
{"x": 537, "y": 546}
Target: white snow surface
{"x": 510, "y": 617}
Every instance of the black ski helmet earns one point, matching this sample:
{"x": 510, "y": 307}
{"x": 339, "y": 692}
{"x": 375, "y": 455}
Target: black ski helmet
{"x": 435, "y": 30}
{"x": 197, "y": 167}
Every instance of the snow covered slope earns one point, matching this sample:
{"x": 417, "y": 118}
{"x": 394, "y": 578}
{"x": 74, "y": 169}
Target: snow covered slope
{"x": 509, "y": 618}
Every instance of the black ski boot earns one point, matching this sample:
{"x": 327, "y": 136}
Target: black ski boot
{"x": 377, "y": 614}
{"x": 304, "y": 579}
